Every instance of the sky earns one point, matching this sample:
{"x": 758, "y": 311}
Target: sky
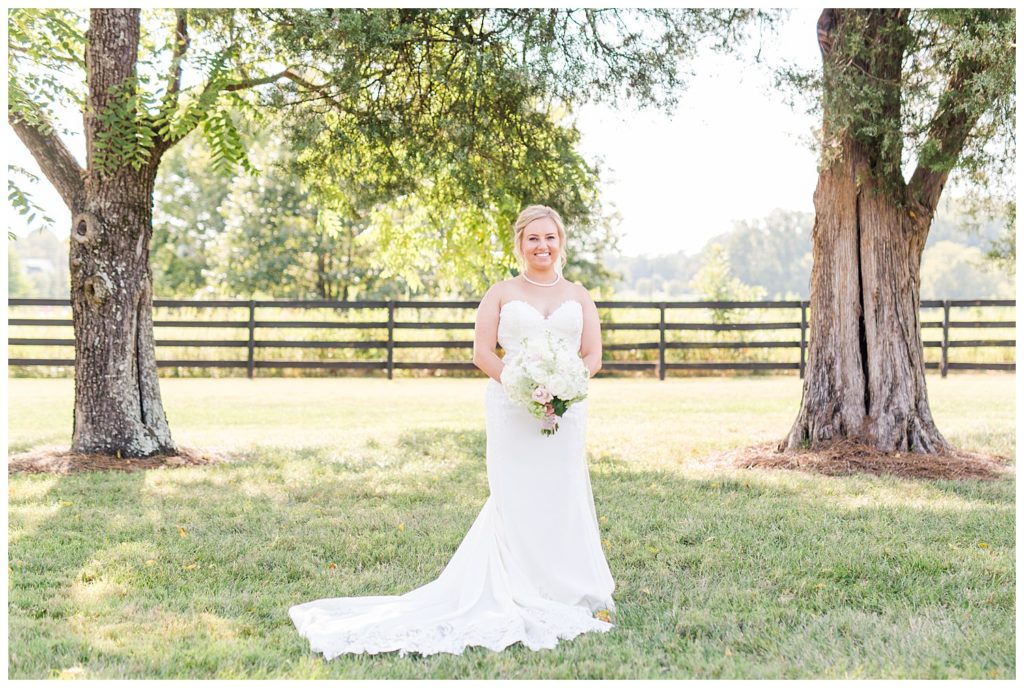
{"x": 731, "y": 150}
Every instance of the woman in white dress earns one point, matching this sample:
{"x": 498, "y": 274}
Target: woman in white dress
{"x": 531, "y": 568}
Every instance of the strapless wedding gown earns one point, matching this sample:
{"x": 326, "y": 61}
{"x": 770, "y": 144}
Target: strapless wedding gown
{"x": 530, "y": 569}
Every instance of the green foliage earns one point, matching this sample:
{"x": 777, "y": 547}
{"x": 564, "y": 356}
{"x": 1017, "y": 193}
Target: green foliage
{"x": 17, "y": 282}
{"x": 773, "y": 251}
{"x": 862, "y": 85}
{"x": 983, "y": 218}
{"x": 225, "y": 143}
{"x": 45, "y": 49}
{"x": 960, "y": 61}
{"x": 271, "y": 239}
{"x": 127, "y": 136}
{"x": 22, "y": 201}
{"x": 668, "y": 273}
{"x": 264, "y": 235}
{"x": 715, "y": 282}
{"x": 994, "y": 209}
{"x": 49, "y": 276}
{"x": 446, "y": 141}
{"x": 45, "y": 54}
{"x": 1003, "y": 251}
{"x": 977, "y": 43}
{"x": 187, "y": 220}
{"x": 953, "y": 271}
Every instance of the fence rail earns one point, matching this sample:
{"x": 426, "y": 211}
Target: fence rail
{"x": 389, "y": 324}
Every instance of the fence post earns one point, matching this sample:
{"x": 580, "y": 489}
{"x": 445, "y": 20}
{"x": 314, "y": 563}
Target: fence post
{"x": 252, "y": 339}
{"x": 391, "y": 339}
{"x": 661, "y": 342}
{"x": 803, "y": 337}
{"x": 945, "y": 337}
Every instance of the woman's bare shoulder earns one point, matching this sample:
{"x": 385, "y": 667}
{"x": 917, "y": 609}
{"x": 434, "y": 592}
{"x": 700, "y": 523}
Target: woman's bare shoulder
{"x": 501, "y": 290}
{"x": 582, "y": 293}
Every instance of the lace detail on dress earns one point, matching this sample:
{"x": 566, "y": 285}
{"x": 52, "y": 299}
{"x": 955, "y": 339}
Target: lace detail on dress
{"x": 537, "y": 629}
{"x": 519, "y": 319}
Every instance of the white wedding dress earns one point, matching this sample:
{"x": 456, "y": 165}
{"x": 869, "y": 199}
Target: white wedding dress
{"x": 530, "y": 569}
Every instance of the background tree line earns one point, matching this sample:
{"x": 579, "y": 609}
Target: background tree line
{"x": 967, "y": 255}
{"x": 241, "y": 235}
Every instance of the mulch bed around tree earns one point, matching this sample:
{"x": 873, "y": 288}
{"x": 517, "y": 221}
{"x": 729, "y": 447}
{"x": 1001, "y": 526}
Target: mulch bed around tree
{"x": 849, "y": 458}
{"x": 64, "y": 462}
{"x": 840, "y": 458}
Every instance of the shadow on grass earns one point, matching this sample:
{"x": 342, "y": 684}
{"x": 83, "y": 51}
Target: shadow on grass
{"x": 792, "y": 580}
{"x": 55, "y": 576}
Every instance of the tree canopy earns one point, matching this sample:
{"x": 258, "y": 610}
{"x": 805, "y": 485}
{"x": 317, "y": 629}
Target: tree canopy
{"x": 431, "y": 127}
{"x": 948, "y": 110}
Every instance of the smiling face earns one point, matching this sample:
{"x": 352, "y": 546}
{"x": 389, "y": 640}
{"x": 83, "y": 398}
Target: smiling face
{"x": 541, "y": 245}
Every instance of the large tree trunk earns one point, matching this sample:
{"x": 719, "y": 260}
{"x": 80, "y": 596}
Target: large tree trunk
{"x": 117, "y": 395}
{"x": 865, "y": 376}
{"x": 865, "y": 368}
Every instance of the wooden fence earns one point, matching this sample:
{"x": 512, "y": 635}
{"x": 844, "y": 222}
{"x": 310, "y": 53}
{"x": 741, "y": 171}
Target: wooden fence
{"x": 388, "y": 323}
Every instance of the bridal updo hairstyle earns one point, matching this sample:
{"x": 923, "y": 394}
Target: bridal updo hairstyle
{"x": 528, "y": 215}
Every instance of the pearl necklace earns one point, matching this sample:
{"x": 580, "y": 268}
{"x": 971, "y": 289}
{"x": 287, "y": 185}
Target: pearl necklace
{"x": 541, "y": 284}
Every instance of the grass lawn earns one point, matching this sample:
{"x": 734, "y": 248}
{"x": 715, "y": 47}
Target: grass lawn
{"x": 366, "y": 487}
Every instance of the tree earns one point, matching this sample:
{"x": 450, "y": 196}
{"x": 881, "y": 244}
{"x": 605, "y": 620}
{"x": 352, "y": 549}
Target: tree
{"x": 272, "y": 235}
{"x": 882, "y": 69}
{"x": 279, "y": 240}
{"x": 676, "y": 268}
{"x": 1003, "y": 250}
{"x": 17, "y": 283}
{"x": 49, "y": 279}
{"x": 773, "y": 252}
{"x": 187, "y": 219}
{"x": 459, "y": 97}
{"x": 239, "y": 234}
{"x": 23, "y": 202}
{"x": 117, "y": 398}
{"x": 954, "y": 271}
{"x": 715, "y": 282}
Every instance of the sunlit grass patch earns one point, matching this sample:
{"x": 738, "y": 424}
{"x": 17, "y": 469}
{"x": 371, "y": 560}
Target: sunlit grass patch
{"x": 364, "y": 487}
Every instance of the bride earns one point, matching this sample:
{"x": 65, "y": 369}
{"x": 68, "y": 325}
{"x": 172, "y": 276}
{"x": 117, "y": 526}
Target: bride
{"x": 531, "y": 568}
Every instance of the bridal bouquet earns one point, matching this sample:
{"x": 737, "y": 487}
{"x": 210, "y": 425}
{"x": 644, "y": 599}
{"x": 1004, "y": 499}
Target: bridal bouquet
{"x": 546, "y": 377}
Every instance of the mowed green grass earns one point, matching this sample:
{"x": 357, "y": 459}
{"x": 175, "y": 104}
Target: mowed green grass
{"x": 188, "y": 573}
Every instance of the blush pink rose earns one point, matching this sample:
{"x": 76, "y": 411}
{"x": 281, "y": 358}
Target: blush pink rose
{"x": 541, "y": 395}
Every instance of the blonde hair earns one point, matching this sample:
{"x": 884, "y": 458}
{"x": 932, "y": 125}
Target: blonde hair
{"x": 528, "y": 215}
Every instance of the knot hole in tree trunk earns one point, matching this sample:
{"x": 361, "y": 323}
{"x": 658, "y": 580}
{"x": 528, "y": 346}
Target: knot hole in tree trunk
{"x": 85, "y": 228}
{"x": 97, "y": 289}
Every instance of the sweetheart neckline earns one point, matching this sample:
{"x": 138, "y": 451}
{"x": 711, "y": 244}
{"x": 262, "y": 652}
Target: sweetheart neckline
{"x": 537, "y": 310}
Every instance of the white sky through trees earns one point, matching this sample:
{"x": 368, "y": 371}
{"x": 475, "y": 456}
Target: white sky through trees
{"x": 732, "y": 150}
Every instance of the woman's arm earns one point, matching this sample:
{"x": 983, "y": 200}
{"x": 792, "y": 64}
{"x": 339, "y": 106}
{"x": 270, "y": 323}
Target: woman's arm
{"x": 590, "y": 345}
{"x": 485, "y": 335}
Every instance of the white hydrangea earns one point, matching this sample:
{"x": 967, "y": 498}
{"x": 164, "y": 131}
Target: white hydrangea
{"x": 547, "y": 361}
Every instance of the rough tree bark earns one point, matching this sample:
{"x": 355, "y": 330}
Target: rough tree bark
{"x": 865, "y": 377}
{"x": 118, "y": 409}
